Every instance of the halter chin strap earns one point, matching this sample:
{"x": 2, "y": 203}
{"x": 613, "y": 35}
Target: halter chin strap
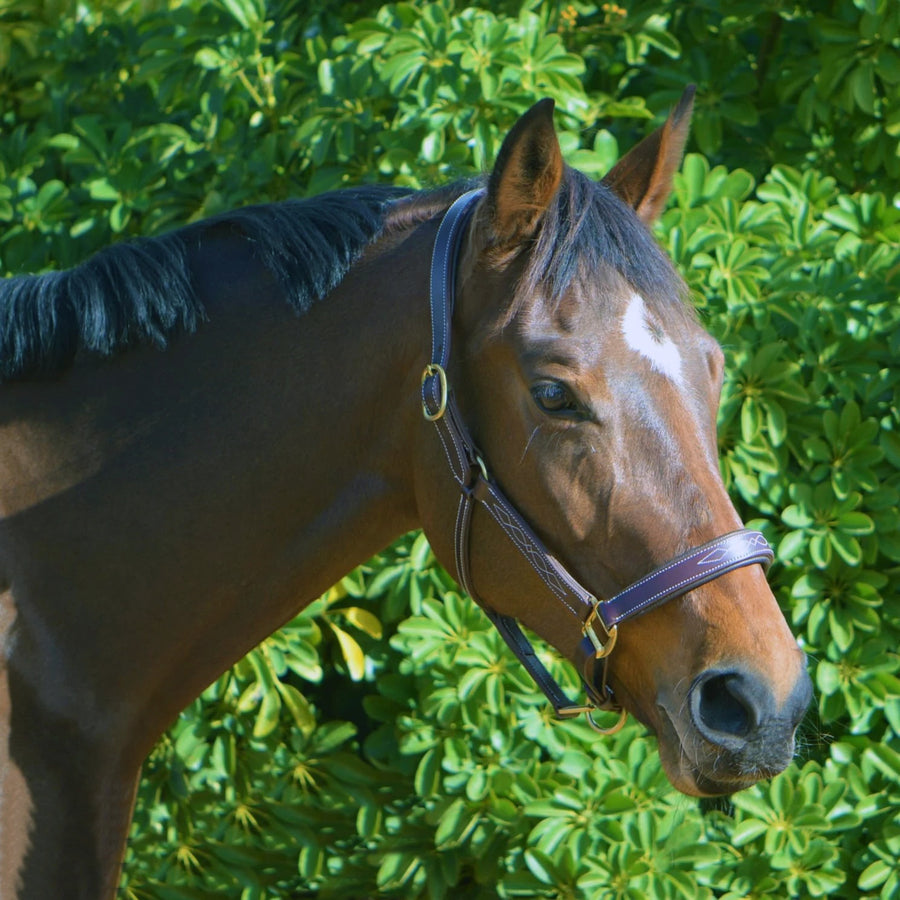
{"x": 598, "y": 620}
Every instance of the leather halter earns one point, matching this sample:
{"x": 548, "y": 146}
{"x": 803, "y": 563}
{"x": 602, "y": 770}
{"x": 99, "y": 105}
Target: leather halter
{"x": 469, "y": 470}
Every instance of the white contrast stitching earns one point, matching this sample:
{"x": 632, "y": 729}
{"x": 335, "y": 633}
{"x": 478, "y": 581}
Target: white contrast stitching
{"x": 745, "y": 558}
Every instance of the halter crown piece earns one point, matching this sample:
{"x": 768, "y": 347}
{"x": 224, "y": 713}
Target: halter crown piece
{"x": 597, "y": 619}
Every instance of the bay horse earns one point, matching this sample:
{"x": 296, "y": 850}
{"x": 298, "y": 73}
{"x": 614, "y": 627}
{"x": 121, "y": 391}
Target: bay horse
{"x": 201, "y": 432}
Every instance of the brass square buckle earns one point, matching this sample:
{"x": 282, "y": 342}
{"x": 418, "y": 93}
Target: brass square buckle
{"x": 601, "y": 649}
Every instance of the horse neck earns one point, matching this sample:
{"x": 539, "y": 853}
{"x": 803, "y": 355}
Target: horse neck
{"x": 364, "y": 381}
{"x": 241, "y": 472}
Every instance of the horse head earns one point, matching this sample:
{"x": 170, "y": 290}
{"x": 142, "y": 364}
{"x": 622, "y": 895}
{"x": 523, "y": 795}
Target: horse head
{"x": 591, "y": 391}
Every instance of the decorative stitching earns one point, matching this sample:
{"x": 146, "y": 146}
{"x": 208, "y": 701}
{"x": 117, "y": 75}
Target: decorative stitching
{"x": 737, "y": 558}
{"x": 447, "y": 455}
{"x": 532, "y": 554}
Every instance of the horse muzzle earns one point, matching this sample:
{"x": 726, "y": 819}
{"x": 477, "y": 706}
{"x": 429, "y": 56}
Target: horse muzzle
{"x": 729, "y": 732}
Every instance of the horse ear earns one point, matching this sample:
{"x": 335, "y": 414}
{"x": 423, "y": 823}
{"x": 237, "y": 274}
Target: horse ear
{"x": 643, "y": 177}
{"x": 526, "y": 175}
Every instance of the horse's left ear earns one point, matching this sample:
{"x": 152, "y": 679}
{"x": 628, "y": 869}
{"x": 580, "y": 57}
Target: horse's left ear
{"x": 526, "y": 175}
{"x": 643, "y": 177}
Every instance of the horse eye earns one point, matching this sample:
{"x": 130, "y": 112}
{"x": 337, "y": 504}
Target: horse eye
{"x": 553, "y": 397}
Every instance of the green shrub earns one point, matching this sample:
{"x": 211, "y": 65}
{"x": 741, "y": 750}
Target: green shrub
{"x": 385, "y": 742}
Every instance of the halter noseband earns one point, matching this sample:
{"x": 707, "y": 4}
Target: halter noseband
{"x": 597, "y": 619}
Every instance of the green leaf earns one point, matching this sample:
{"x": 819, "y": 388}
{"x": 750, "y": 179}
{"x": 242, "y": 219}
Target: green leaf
{"x": 49, "y": 193}
{"x": 101, "y": 189}
{"x": 352, "y": 653}
{"x": 791, "y": 546}
{"x": 396, "y": 869}
{"x": 427, "y": 778}
{"x": 796, "y": 517}
{"x": 363, "y": 619}
{"x": 874, "y": 875}
{"x": 248, "y": 14}
{"x": 207, "y": 58}
{"x": 886, "y": 759}
{"x": 542, "y": 867}
{"x": 452, "y": 823}
{"x": 855, "y": 523}
{"x": 820, "y": 545}
{"x": 119, "y": 216}
{"x": 63, "y": 141}
{"x": 298, "y": 706}
{"x": 748, "y": 830}
{"x": 269, "y": 712}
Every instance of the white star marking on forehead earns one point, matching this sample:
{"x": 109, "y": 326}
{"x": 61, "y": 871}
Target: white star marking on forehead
{"x": 648, "y": 339}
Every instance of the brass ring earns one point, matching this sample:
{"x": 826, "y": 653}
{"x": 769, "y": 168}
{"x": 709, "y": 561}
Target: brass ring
{"x": 623, "y": 715}
{"x": 431, "y": 370}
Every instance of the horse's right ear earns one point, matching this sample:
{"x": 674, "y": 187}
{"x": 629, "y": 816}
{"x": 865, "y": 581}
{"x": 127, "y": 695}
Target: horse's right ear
{"x": 526, "y": 175}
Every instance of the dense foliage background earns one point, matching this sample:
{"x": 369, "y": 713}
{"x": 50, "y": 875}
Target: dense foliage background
{"x": 385, "y": 743}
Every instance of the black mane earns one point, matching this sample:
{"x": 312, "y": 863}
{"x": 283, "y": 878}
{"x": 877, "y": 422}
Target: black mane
{"x": 588, "y": 233}
{"x": 140, "y": 291}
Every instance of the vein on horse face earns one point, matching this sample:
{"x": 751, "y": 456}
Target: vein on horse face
{"x": 528, "y": 444}
{"x": 646, "y": 337}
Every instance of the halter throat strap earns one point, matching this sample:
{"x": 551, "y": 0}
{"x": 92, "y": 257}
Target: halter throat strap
{"x": 598, "y": 620}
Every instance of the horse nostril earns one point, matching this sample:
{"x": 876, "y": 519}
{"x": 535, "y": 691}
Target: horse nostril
{"x": 726, "y": 706}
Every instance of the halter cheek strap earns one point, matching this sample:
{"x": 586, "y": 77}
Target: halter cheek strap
{"x": 598, "y": 620}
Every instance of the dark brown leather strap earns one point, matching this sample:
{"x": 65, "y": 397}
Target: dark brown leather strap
{"x": 686, "y": 572}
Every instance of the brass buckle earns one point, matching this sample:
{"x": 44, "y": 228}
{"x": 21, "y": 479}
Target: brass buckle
{"x": 601, "y": 650}
{"x": 431, "y": 370}
{"x": 569, "y": 712}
